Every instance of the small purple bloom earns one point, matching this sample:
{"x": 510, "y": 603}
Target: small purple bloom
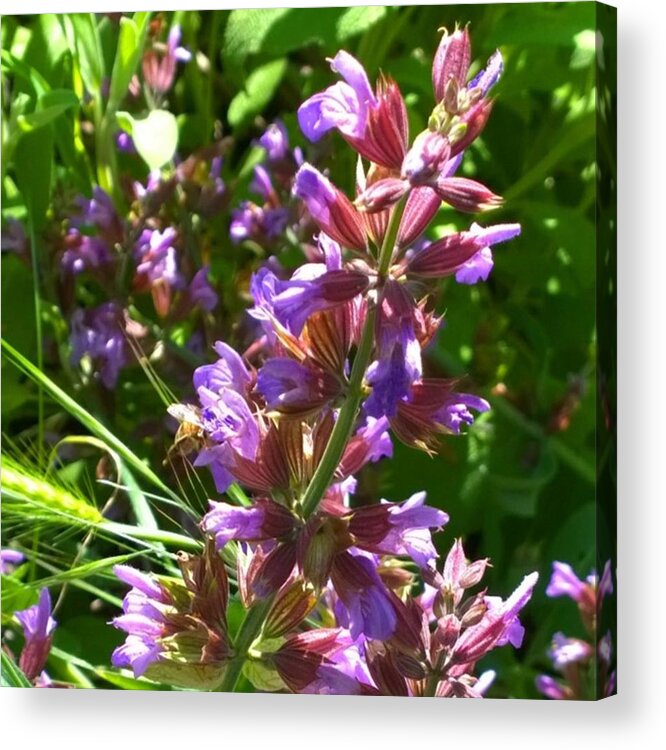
{"x": 138, "y": 652}
{"x": 229, "y": 522}
{"x": 173, "y": 45}
{"x": 479, "y": 266}
{"x": 38, "y": 626}
{"x": 276, "y": 141}
{"x": 410, "y": 524}
{"x": 84, "y": 252}
{"x": 228, "y": 372}
{"x": 9, "y": 558}
{"x": 261, "y": 182}
{"x": 456, "y": 411}
{"x": 99, "y": 334}
{"x": 201, "y": 292}
{"x": 343, "y": 106}
{"x": 125, "y": 143}
{"x": 156, "y": 257}
{"x": 565, "y": 651}
{"x": 367, "y": 608}
{"x": 399, "y": 361}
{"x": 551, "y": 688}
{"x": 564, "y": 582}
{"x": 141, "y": 581}
{"x": 97, "y": 211}
{"x": 286, "y": 383}
{"x": 488, "y": 77}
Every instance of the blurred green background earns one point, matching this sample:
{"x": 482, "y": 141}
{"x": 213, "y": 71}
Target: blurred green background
{"x": 520, "y": 488}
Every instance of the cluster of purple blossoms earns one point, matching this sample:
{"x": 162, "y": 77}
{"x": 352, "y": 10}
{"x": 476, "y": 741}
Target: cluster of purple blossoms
{"x": 575, "y": 658}
{"x": 336, "y": 369}
{"x": 176, "y": 629}
{"x": 265, "y": 220}
{"x": 99, "y": 245}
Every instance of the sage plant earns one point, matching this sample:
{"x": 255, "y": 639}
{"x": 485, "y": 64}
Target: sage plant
{"x": 338, "y": 598}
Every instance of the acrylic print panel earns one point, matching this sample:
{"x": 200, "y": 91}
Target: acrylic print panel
{"x": 309, "y": 351}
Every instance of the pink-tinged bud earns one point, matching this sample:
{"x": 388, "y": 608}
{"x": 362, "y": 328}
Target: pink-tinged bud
{"x": 451, "y": 61}
{"x": 409, "y": 666}
{"x": 341, "y": 286}
{"x": 292, "y": 605}
{"x": 327, "y": 539}
{"x": 466, "y": 195}
{"x": 444, "y": 256}
{"x": 448, "y": 630}
{"x": 473, "y": 574}
{"x": 384, "y": 670}
{"x": 274, "y": 570}
{"x": 329, "y": 207}
{"x": 386, "y": 134}
{"x": 381, "y": 195}
{"x": 420, "y": 209}
{"x": 426, "y": 158}
{"x": 474, "y": 612}
{"x": 299, "y": 659}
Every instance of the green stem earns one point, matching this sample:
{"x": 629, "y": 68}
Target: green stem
{"x": 38, "y": 327}
{"x": 249, "y": 630}
{"x": 344, "y": 424}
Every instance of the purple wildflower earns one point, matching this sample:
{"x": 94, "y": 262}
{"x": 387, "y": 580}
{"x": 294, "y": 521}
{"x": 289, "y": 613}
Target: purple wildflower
{"x": 38, "y": 626}
{"x": 228, "y": 372}
{"x": 200, "y": 291}
{"x": 276, "y": 141}
{"x": 156, "y": 257}
{"x": 8, "y": 559}
{"x": 343, "y": 106}
{"x": 99, "y": 334}
{"x": 367, "y": 607}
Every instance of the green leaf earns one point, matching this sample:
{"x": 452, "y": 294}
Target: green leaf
{"x": 130, "y": 47}
{"x": 124, "y": 681}
{"x": 87, "y": 570}
{"x": 49, "y": 106}
{"x": 259, "y": 89}
{"x": 15, "y": 596}
{"x": 355, "y": 21}
{"x": 88, "y": 46}
{"x": 246, "y": 31}
{"x": 10, "y": 674}
{"x": 155, "y": 137}
{"x": 33, "y": 162}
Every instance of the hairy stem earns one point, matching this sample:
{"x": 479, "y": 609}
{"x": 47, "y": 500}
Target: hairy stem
{"x": 344, "y": 424}
{"x": 248, "y": 631}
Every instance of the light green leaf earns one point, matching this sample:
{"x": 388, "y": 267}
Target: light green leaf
{"x": 246, "y": 31}
{"x": 155, "y": 136}
{"x": 357, "y": 20}
{"x": 130, "y": 46}
{"x": 259, "y": 89}
{"x": 49, "y": 106}
{"x": 10, "y": 674}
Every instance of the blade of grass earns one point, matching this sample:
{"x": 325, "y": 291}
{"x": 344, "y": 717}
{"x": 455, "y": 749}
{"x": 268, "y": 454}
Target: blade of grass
{"x": 85, "y": 418}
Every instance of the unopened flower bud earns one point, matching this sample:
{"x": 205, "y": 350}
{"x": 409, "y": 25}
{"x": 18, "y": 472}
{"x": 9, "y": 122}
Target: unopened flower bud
{"x": 426, "y": 158}
{"x": 473, "y": 574}
{"x": 466, "y": 195}
{"x": 451, "y": 61}
{"x": 448, "y": 630}
{"x": 381, "y": 195}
